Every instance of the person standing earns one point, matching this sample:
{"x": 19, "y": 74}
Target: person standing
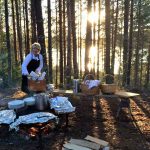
{"x": 32, "y": 62}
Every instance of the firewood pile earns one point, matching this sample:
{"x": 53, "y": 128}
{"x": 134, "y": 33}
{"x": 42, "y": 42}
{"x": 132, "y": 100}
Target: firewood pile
{"x": 88, "y": 143}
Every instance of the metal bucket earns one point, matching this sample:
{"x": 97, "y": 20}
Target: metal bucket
{"x": 41, "y": 101}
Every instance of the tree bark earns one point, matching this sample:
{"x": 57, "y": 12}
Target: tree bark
{"x": 69, "y": 63}
{"x": 73, "y": 25}
{"x": 99, "y": 39}
{"x": 61, "y": 65}
{"x": 107, "y": 32}
{"x": 33, "y": 22}
{"x": 114, "y": 38}
{"x": 148, "y": 69}
{"x": 130, "y": 44}
{"x": 27, "y": 29}
{"x": 19, "y": 31}
{"x": 64, "y": 36}
{"x": 8, "y": 43}
{"x": 50, "y": 73}
{"x": 56, "y": 76}
{"x": 14, "y": 33}
{"x": 40, "y": 29}
{"x": 88, "y": 41}
{"x": 136, "y": 76}
{"x": 80, "y": 36}
{"x": 125, "y": 41}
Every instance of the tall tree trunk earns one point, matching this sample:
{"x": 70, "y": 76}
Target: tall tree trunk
{"x": 136, "y": 76}
{"x": 56, "y": 76}
{"x": 94, "y": 36}
{"x": 99, "y": 39}
{"x": 112, "y": 56}
{"x": 88, "y": 41}
{"x": 64, "y": 35}
{"x": 60, "y": 45}
{"x": 120, "y": 48}
{"x": 130, "y": 44}
{"x": 27, "y": 46}
{"x": 24, "y": 28}
{"x": 94, "y": 25}
{"x": 141, "y": 59}
{"x": 78, "y": 38}
{"x": 14, "y": 33}
{"x": 8, "y": 43}
{"x": 75, "y": 66}
{"x": 33, "y": 22}
{"x": 107, "y": 32}
{"x": 69, "y": 63}
{"x": 125, "y": 41}
{"x": 40, "y": 29}
{"x": 19, "y": 31}
{"x": 80, "y": 35}
{"x": 115, "y": 37}
{"x": 50, "y": 73}
{"x": 148, "y": 69}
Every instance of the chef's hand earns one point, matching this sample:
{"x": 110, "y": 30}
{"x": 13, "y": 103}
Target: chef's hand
{"x": 37, "y": 72}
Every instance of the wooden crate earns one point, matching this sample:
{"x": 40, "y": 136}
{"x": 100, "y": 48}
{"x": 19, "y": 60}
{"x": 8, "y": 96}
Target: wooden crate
{"x": 36, "y": 86}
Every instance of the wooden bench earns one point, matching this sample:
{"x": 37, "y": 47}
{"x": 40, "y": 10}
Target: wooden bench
{"x": 124, "y": 100}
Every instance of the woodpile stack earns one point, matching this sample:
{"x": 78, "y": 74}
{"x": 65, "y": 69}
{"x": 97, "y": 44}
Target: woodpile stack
{"x": 88, "y": 143}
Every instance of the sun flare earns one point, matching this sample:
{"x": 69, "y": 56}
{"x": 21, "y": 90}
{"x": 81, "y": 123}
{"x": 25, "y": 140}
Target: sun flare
{"x": 93, "y": 17}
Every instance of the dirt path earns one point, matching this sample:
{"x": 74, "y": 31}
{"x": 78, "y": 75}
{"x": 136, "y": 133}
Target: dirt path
{"x": 95, "y": 117}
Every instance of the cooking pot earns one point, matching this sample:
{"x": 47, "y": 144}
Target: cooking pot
{"x": 41, "y": 101}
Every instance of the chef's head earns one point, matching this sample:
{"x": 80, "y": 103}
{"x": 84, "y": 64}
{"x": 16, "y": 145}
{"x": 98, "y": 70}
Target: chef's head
{"x": 36, "y": 48}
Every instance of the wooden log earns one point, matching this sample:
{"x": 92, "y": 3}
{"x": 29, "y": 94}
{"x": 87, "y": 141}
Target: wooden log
{"x": 75, "y": 147}
{"x": 85, "y": 143}
{"x": 96, "y": 140}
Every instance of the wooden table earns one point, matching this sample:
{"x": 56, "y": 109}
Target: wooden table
{"x": 67, "y": 92}
{"x": 80, "y": 94}
{"x": 71, "y": 93}
{"x": 125, "y": 100}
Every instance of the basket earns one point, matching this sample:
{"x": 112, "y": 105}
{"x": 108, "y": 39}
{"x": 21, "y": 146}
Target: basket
{"x": 86, "y": 90}
{"x": 109, "y": 88}
{"x": 37, "y": 86}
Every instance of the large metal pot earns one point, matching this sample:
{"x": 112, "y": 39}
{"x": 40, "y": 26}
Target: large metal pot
{"x": 41, "y": 101}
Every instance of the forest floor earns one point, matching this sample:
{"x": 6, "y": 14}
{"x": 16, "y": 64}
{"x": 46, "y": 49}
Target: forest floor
{"x": 94, "y": 117}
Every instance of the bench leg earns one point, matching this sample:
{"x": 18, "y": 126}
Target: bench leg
{"x": 130, "y": 112}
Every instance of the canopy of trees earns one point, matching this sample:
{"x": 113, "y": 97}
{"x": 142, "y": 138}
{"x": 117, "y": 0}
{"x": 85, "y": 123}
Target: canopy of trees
{"x": 78, "y": 37}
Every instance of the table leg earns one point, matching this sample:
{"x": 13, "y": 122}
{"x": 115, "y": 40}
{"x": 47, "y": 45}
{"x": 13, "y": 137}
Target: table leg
{"x": 67, "y": 115}
{"x": 124, "y": 103}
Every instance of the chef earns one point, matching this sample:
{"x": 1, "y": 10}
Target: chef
{"x": 32, "y": 62}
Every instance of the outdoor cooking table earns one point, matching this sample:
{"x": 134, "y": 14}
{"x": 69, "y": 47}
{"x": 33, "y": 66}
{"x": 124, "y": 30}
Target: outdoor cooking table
{"x": 124, "y": 100}
{"x": 61, "y": 107}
